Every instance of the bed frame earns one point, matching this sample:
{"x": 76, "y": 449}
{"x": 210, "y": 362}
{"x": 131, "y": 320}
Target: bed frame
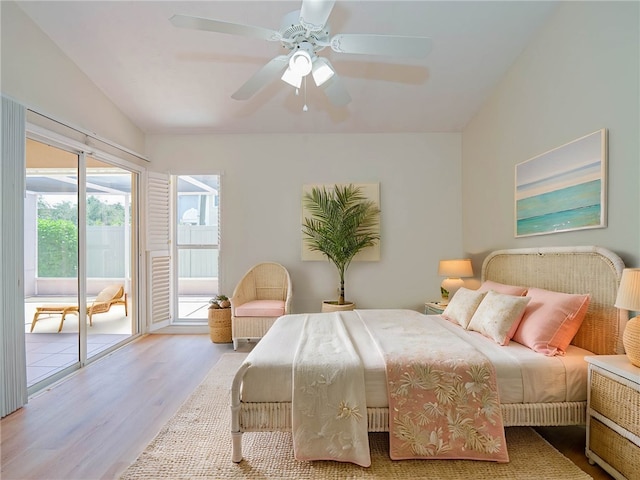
{"x": 590, "y": 269}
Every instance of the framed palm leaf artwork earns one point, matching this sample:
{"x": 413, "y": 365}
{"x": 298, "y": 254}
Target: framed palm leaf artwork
{"x": 563, "y": 189}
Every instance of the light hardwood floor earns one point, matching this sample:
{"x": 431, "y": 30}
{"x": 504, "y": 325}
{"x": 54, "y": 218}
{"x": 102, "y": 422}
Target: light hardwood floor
{"x": 97, "y": 422}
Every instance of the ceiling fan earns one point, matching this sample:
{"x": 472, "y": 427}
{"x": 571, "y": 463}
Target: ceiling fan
{"x": 304, "y": 33}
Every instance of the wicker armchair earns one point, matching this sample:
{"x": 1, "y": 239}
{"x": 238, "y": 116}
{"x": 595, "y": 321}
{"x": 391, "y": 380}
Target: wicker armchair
{"x": 261, "y": 296}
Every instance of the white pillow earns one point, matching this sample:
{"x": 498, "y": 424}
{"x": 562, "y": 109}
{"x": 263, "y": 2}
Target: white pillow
{"x": 462, "y": 305}
{"x": 498, "y": 316}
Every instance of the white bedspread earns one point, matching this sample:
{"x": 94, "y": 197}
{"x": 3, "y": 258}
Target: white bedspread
{"x": 329, "y": 410}
{"x": 524, "y": 376}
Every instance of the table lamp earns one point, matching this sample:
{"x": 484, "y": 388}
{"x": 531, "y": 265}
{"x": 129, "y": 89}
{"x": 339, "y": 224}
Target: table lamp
{"x": 454, "y": 270}
{"x": 629, "y": 299}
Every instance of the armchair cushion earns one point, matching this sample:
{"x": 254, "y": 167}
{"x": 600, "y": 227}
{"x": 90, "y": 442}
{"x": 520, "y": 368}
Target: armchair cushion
{"x": 260, "y": 308}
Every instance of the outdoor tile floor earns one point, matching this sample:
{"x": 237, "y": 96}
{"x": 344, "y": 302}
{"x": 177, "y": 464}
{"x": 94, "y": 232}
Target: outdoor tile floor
{"x": 48, "y": 352}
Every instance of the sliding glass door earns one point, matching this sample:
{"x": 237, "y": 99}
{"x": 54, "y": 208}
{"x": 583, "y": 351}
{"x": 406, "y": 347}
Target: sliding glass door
{"x": 51, "y": 262}
{"x": 80, "y": 251}
{"x": 110, "y": 211}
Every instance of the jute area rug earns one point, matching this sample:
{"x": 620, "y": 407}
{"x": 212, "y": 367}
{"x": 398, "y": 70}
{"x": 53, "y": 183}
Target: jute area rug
{"x": 196, "y": 444}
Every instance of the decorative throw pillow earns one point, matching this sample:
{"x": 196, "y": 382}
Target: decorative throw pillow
{"x": 551, "y": 320}
{"x": 462, "y": 306}
{"x": 498, "y": 316}
{"x": 502, "y": 288}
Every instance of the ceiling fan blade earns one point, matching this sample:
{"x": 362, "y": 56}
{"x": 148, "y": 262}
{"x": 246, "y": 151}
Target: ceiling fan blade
{"x": 335, "y": 91}
{"x": 315, "y": 13}
{"x": 198, "y": 23}
{"x": 269, "y": 72}
{"x": 391, "y": 45}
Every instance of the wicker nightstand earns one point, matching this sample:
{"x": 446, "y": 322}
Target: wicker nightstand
{"x": 613, "y": 415}
{"x": 433, "y": 308}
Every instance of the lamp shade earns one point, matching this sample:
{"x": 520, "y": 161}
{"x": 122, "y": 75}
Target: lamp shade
{"x": 292, "y": 78}
{"x": 300, "y": 62}
{"x": 629, "y": 291}
{"x": 321, "y": 71}
{"x": 455, "y": 268}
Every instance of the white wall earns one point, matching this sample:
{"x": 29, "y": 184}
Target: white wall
{"x": 581, "y": 74}
{"x": 263, "y": 175}
{"x": 37, "y": 74}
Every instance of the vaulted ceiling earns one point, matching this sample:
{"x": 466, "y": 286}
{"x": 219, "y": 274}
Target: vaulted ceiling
{"x": 174, "y": 80}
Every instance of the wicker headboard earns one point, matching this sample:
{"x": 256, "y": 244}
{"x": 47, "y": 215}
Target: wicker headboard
{"x": 593, "y": 270}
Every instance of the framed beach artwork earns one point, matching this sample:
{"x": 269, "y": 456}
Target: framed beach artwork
{"x": 563, "y": 189}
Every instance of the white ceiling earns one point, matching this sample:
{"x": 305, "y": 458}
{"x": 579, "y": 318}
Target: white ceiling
{"x": 172, "y": 80}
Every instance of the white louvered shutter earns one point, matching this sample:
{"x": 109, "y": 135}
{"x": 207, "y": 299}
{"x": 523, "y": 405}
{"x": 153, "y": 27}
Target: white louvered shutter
{"x": 158, "y": 250}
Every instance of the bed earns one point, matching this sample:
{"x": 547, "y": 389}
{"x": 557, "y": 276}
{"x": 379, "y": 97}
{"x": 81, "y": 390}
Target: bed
{"x": 542, "y": 391}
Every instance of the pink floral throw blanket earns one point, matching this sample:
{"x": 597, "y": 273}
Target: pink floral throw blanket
{"x": 443, "y": 396}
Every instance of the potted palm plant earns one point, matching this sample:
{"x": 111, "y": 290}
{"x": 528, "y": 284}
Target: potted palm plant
{"x": 341, "y": 223}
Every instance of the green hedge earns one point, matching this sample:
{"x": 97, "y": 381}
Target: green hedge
{"x": 57, "y": 248}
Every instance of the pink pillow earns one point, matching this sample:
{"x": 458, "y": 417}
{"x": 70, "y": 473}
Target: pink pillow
{"x": 261, "y": 308}
{"x": 551, "y": 320}
{"x": 502, "y": 288}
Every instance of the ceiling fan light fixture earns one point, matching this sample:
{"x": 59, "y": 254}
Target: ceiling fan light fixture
{"x": 322, "y": 71}
{"x": 292, "y": 78}
{"x": 300, "y": 62}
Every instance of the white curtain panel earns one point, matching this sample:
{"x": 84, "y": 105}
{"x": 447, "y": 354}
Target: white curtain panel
{"x": 13, "y": 376}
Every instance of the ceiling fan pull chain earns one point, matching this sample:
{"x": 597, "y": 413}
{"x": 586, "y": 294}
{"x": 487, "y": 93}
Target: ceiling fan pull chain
{"x": 305, "y": 108}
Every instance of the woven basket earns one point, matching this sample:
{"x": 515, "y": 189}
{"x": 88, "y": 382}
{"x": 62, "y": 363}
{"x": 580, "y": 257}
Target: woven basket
{"x": 220, "y": 325}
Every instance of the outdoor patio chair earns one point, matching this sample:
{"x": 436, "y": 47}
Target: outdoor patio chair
{"x": 261, "y": 296}
{"x": 111, "y": 295}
